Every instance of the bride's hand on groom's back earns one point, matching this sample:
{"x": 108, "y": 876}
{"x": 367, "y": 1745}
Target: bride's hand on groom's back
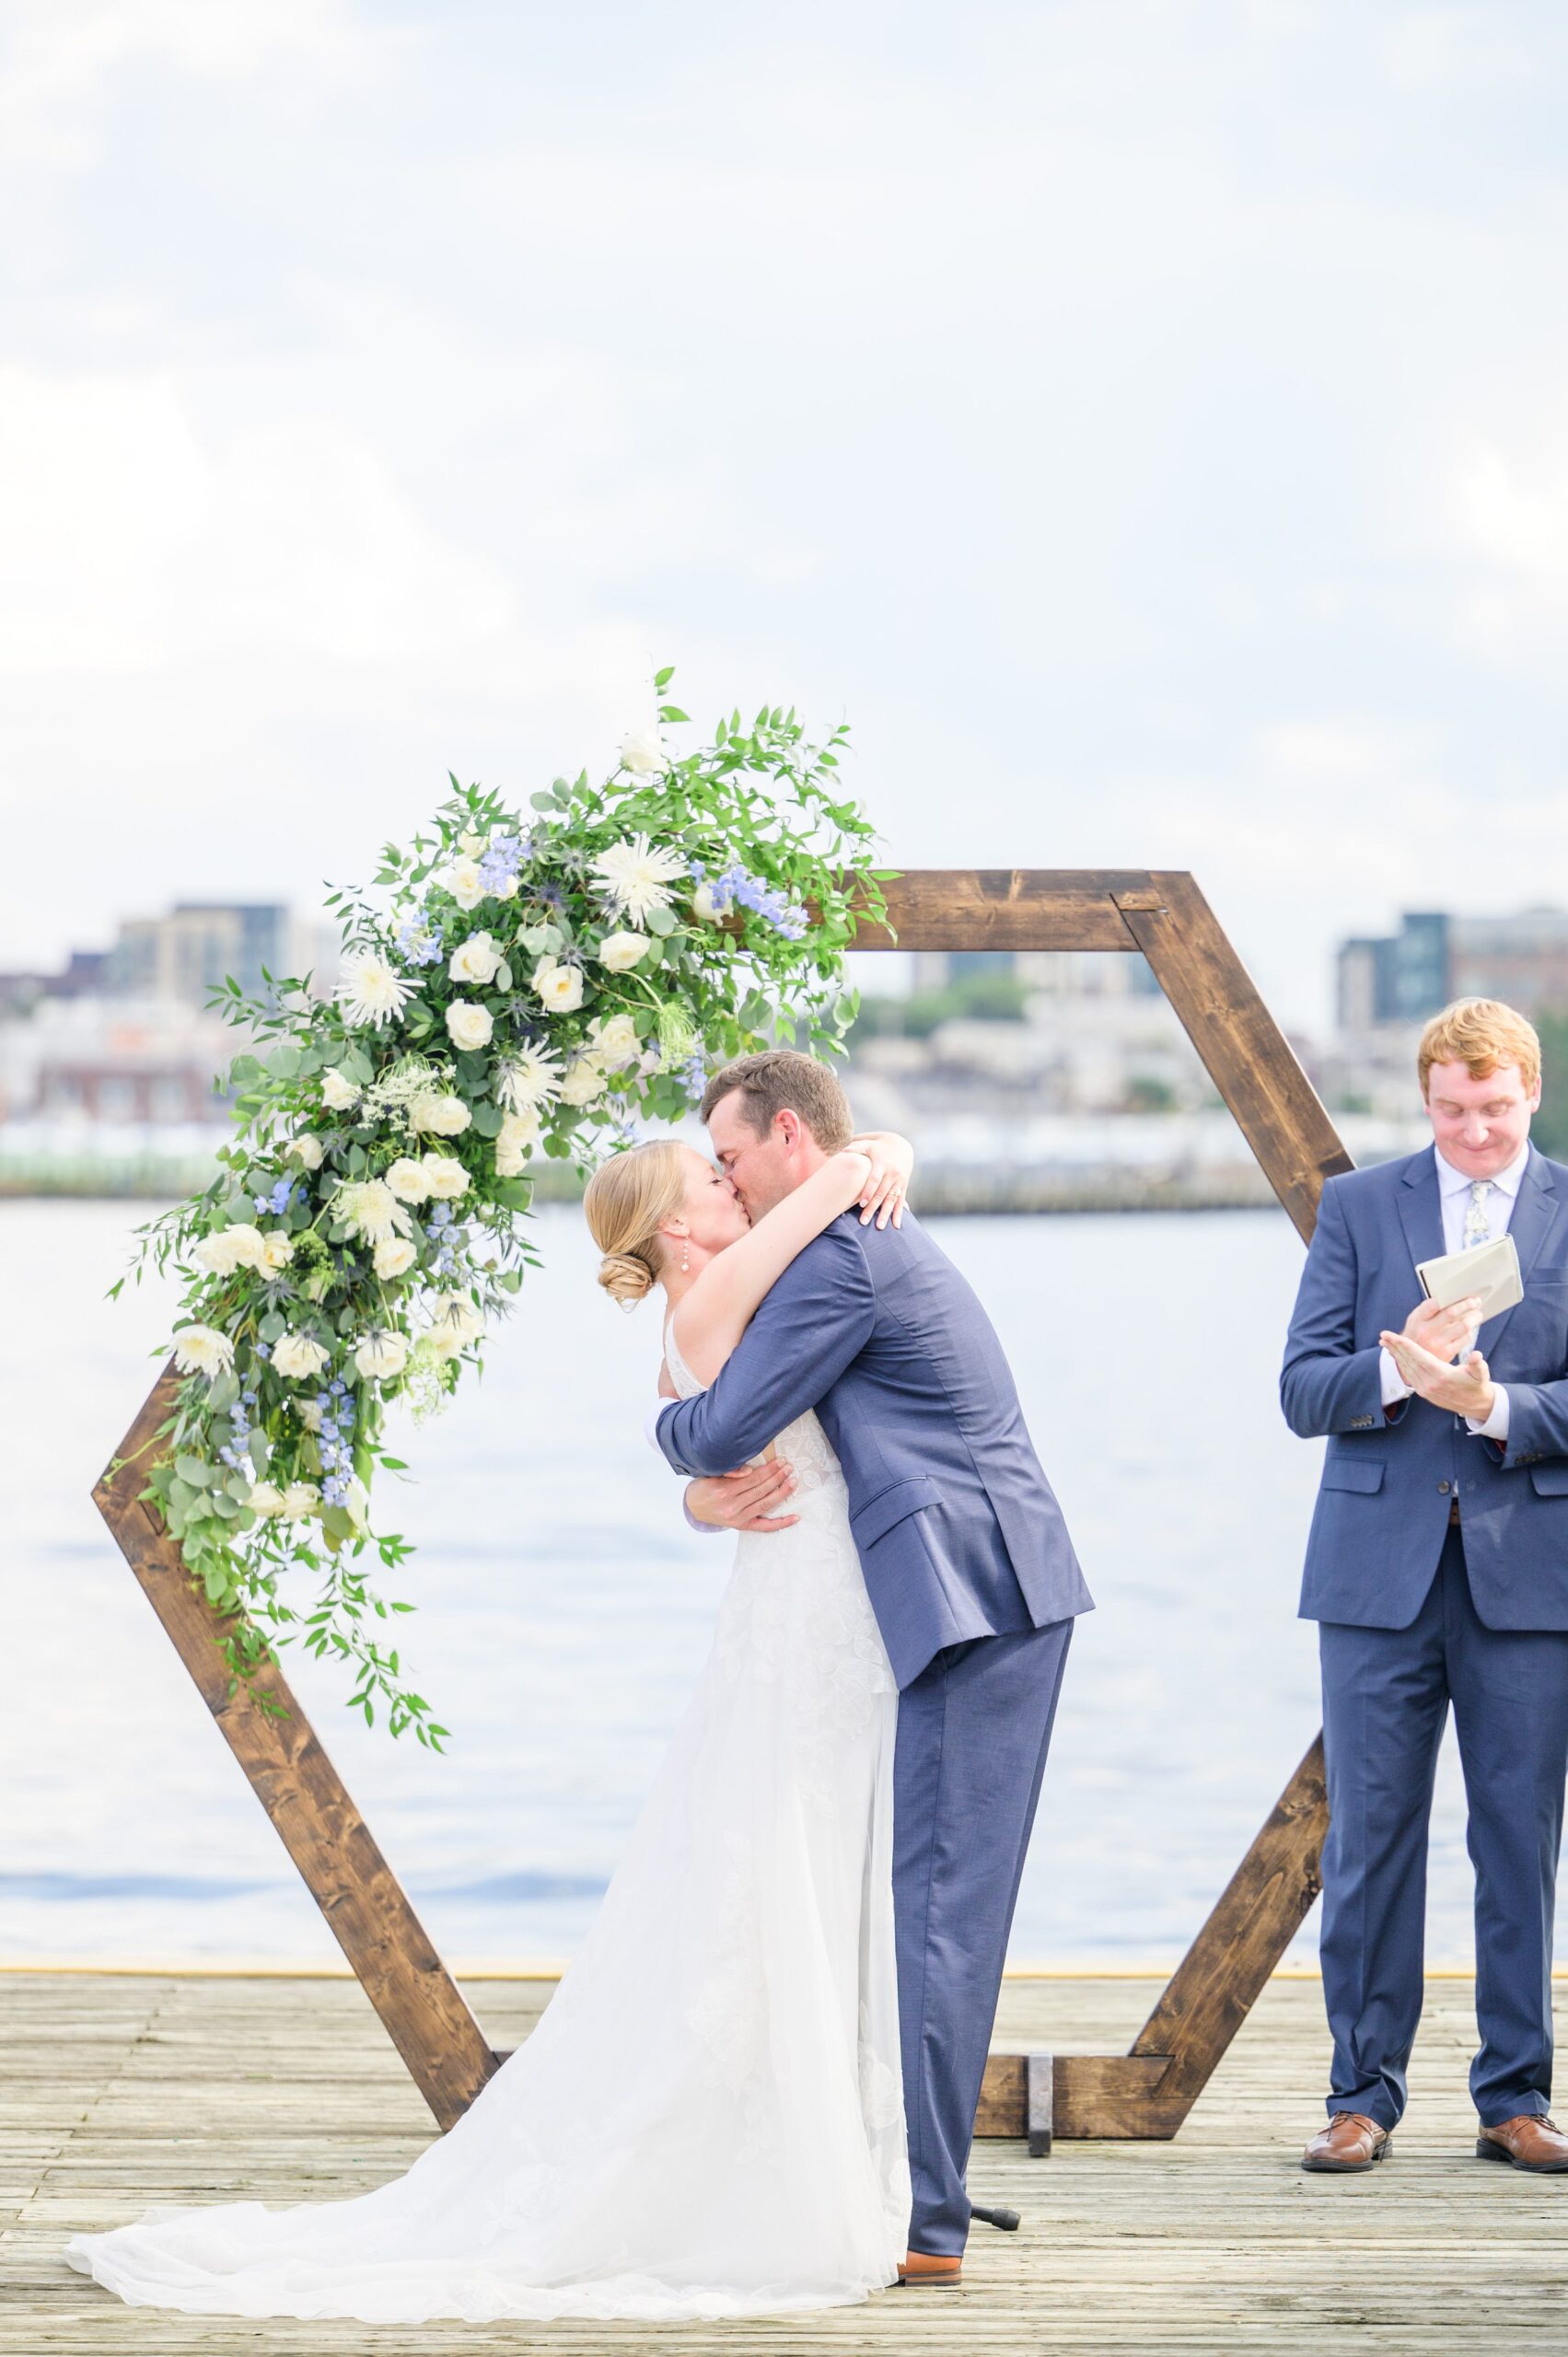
{"x": 749, "y": 1499}
{"x": 893, "y": 1159}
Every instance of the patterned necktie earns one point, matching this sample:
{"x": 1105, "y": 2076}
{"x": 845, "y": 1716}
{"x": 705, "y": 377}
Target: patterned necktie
{"x": 1478, "y": 1221}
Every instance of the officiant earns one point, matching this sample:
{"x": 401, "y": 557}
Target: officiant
{"x": 1437, "y": 1570}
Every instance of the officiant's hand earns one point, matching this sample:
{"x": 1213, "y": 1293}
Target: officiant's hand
{"x": 748, "y": 1499}
{"x": 1444, "y": 1332}
{"x": 1467, "y": 1390}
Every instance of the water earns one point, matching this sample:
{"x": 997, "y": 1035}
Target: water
{"x": 565, "y": 1610}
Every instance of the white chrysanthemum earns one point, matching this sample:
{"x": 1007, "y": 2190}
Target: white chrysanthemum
{"x": 381, "y": 1357}
{"x": 585, "y": 1084}
{"x": 300, "y": 1498}
{"x": 469, "y": 1025}
{"x": 530, "y": 1077}
{"x": 617, "y": 952}
{"x": 642, "y": 753}
{"x": 519, "y": 1133}
{"x": 445, "y": 1177}
{"x": 277, "y": 1248}
{"x": 465, "y": 883}
{"x": 475, "y": 959}
{"x": 338, "y": 1094}
{"x": 407, "y": 1180}
{"x": 239, "y": 1247}
{"x": 395, "y": 1256}
{"x": 613, "y": 1043}
{"x": 265, "y": 1499}
{"x": 202, "y": 1349}
{"x": 306, "y": 1148}
{"x": 370, "y": 991}
{"x": 297, "y": 1357}
{"x": 636, "y": 877}
{"x": 560, "y": 988}
{"x": 370, "y": 1209}
{"x": 442, "y": 1116}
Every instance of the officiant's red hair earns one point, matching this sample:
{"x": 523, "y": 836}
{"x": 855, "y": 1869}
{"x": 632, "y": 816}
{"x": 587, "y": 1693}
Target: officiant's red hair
{"x": 1481, "y": 1034}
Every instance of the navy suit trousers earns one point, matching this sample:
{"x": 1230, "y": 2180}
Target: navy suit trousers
{"x": 974, "y": 1730}
{"x": 1385, "y": 1696}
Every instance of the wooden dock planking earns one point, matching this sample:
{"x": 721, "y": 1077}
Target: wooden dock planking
{"x": 122, "y": 2092}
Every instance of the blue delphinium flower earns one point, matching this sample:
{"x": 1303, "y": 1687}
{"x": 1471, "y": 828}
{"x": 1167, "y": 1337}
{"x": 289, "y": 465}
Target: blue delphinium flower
{"x": 419, "y": 942}
{"x": 737, "y": 888}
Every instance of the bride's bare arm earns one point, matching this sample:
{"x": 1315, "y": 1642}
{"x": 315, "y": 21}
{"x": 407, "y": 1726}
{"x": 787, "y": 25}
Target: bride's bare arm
{"x": 714, "y": 1315}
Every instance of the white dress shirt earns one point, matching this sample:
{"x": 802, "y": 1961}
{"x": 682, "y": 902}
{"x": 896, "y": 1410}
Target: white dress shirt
{"x": 1454, "y": 1189}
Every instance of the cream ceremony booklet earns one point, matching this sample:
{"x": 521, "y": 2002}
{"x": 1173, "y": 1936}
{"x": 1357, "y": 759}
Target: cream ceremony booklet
{"x": 1489, "y": 1269}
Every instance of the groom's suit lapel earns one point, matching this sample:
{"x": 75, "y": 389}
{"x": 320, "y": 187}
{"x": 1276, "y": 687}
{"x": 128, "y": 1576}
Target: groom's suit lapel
{"x": 1535, "y": 1213}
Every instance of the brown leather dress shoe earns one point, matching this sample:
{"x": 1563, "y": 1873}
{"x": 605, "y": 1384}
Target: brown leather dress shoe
{"x": 930, "y": 2271}
{"x": 1530, "y": 2141}
{"x": 1350, "y": 2142}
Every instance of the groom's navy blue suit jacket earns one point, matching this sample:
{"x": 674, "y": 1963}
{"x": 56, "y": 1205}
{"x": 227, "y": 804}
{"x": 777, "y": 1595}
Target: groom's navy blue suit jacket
{"x": 1390, "y": 1476}
{"x": 958, "y": 1529}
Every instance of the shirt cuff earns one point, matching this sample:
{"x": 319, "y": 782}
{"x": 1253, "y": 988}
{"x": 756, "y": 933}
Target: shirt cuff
{"x": 1395, "y": 1387}
{"x": 1497, "y": 1424}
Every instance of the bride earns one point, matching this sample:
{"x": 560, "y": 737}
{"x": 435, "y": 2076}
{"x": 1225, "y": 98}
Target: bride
{"x": 708, "y": 2121}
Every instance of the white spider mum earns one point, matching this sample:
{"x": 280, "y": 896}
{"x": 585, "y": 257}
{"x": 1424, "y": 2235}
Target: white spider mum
{"x": 637, "y": 877}
{"x": 371, "y": 1210}
{"x": 530, "y": 1077}
{"x": 369, "y": 991}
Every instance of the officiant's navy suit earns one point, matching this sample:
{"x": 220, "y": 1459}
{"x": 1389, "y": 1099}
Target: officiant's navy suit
{"x": 1437, "y": 1566}
{"x": 974, "y": 1583}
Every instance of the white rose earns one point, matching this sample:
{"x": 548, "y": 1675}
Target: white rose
{"x": 560, "y": 987}
{"x": 620, "y": 951}
{"x": 465, "y": 883}
{"x": 308, "y": 1149}
{"x": 395, "y": 1256}
{"x": 339, "y": 1093}
{"x": 309, "y": 1414}
{"x": 614, "y": 1040}
{"x": 407, "y": 1180}
{"x": 518, "y": 1135}
{"x": 239, "y": 1247}
{"x": 471, "y": 842}
{"x": 277, "y": 1248}
{"x": 297, "y": 1356}
{"x": 265, "y": 1498}
{"x": 381, "y": 1357}
{"x": 583, "y": 1083}
{"x": 202, "y": 1349}
{"x": 469, "y": 1025}
{"x": 444, "y": 1117}
{"x": 475, "y": 959}
{"x": 300, "y": 1498}
{"x": 704, "y": 905}
{"x": 643, "y": 753}
{"x": 505, "y": 890}
{"x": 445, "y": 1177}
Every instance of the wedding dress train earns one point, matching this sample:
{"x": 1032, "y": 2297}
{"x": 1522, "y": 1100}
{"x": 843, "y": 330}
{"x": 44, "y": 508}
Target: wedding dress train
{"x": 708, "y": 2121}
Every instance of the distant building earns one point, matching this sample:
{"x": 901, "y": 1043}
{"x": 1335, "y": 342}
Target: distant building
{"x": 1407, "y": 976}
{"x": 1060, "y": 973}
{"x": 188, "y": 953}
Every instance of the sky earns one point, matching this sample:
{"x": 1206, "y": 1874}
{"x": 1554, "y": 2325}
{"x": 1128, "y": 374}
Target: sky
{"x": 1147, "y": 425}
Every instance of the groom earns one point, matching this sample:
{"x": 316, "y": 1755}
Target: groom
{"x": 968, "y": 1565}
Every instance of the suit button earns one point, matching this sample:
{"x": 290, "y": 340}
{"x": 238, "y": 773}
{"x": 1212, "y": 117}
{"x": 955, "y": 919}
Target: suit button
{"x": 1442, "y": 1489}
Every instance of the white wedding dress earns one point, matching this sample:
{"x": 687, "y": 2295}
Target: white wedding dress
{"x": 708, "y": 2121}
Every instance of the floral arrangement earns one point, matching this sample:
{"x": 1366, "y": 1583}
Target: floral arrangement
{"x": 521, "y": 987}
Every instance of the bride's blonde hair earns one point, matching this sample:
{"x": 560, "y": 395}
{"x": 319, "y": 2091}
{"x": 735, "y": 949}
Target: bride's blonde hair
{"x": 624, "y": 1204}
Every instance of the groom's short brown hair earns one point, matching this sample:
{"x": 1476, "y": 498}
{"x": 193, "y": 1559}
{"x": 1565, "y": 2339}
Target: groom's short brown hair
{"x": 781, "y": 1079}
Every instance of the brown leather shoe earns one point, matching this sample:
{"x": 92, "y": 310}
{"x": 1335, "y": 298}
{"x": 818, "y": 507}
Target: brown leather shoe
{"x": 929, "y": 2271}
{"x": 1350, "y": 2142}
{"x": 1530, "y": 2141}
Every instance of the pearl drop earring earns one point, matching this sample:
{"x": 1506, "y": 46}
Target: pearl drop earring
{"x": 685, "y": 1258}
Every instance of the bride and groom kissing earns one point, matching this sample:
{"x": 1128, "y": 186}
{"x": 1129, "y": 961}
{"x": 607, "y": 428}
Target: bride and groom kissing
{"x": 755, "y": 2089}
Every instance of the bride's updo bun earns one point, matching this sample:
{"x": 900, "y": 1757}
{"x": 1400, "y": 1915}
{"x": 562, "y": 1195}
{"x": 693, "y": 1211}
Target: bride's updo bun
{"x": 624, "y": 1204}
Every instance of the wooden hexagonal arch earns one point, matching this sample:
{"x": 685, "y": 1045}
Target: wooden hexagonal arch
{"x": 1144, "y": 2093}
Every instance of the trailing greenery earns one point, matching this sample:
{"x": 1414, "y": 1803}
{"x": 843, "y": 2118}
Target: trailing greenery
{"x": 512, "y": 988}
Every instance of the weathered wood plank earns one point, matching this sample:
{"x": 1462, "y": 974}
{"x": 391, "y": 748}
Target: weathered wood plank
{"x": 1005, "y": 908}
{"x": 309, "y": 1807}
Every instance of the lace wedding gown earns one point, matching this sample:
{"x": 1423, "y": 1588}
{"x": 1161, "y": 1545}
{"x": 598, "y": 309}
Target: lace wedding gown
{"x": 708, "y": 2121}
